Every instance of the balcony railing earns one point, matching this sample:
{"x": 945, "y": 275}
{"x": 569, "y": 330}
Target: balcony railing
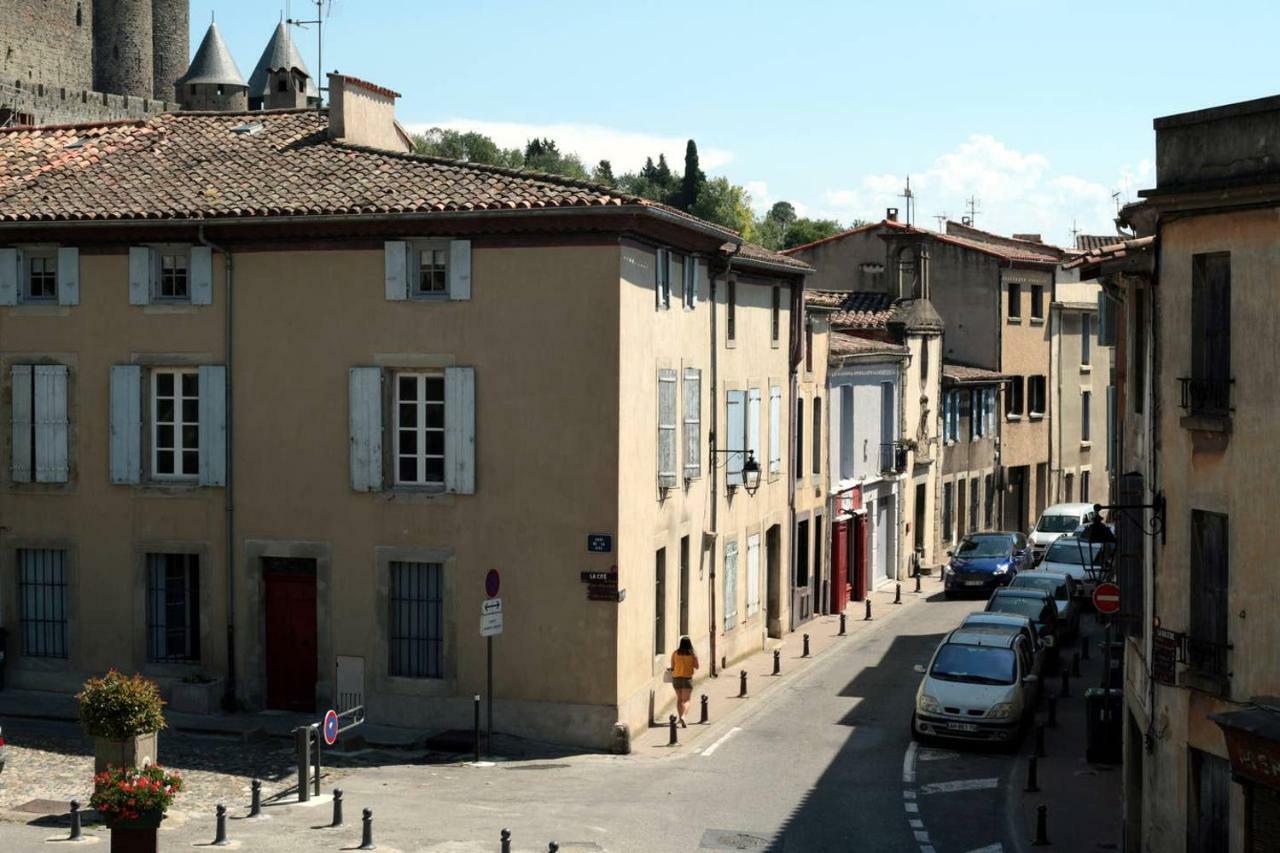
{"x": 1206, "y": 396}
{"x": 893, "y": 458}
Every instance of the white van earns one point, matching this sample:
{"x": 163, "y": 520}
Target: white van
{"x": 1058, "y": 520}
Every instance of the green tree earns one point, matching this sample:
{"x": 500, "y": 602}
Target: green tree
{"x": 726, "y": 204}
{"x": 467, "y": 146}
{"x": 543, "y": 155}
{"x": 692, "y": 181}
{"x": 782, "y": 212}
{"x": 603, "y": 174}
{"x": 808, "y": 230}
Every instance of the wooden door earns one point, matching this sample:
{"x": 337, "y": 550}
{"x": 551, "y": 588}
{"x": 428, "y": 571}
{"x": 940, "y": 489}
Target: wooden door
{"x": 859, "y": 561}
{"x": 290, "y": 594}
{"x": 839, "y": 566}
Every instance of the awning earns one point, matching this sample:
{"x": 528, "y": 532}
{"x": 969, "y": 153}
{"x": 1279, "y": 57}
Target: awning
{"x": 1253, "y": 743}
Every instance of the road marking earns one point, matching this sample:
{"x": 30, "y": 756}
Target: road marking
{"x": 927, "y": 848}
{"x": 922, "y": 836}
{"x": 912, "y": 808}
{"x": 908, "y": 795}
{"x": 909, "y": 765}
{"x": 937, "y": 754}
{"x": 959, "y": 785}
{"x": 733, "y": 731}
{"x": 990, "y": 848}
{"x": 916, "y": 824}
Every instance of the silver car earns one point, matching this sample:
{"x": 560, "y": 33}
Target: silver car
{"x": 1078, "y": 558}
{"x": 1066, "y": 596}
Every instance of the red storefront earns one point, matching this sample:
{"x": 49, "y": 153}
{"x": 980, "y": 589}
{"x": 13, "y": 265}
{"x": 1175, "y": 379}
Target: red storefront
{"x": 848, "y": 550}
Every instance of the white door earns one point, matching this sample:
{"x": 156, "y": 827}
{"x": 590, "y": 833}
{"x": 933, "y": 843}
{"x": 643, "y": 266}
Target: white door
{"x": 883, "y": 554}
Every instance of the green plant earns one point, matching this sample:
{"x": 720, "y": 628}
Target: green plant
{"x": 199, "y": 678}
{"x": 126, "y": 793}
{"x": 119, "y": 707}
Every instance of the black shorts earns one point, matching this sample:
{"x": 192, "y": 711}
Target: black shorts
{"x": 678, "y": 683}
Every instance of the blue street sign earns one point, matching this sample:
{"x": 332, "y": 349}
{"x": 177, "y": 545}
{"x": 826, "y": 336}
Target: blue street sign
{"x": 601, "y": 543}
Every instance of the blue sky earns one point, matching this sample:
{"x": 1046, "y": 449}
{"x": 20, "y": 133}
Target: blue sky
{"x": 1041, "y": 110}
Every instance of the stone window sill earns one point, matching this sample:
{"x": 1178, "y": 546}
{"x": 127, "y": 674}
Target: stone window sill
{"x": 1086, "y": 368}
{"x": 1037, "y": 321}
{"x": 1014, "y": 321}
{"x": 1036, "y": 416}
{"x": 1013, "y": 417}
{"x": 1085, "y": 444}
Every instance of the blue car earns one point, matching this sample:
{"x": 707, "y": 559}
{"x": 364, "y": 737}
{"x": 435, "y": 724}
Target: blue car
{"x": 984, "y": 561}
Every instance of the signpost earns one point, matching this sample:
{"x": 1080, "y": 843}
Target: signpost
{"x": 490, "y": 626}
{"x": 1106, "y": 598}
{"x": 330, "y": 727}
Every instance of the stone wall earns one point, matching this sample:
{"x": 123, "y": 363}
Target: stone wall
{"x": 50, "y": 105}
{"x": 47, "y": 41}
{"x": 122, "y": 50}
{"x": 170, "y": 44}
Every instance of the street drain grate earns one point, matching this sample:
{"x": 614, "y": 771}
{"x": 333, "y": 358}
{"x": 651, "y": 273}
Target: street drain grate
{"x": 730, "y": 839}
{"x": 538, "y": 767}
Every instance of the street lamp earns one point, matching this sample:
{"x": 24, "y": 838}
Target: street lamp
{"x": 750, "y": 469}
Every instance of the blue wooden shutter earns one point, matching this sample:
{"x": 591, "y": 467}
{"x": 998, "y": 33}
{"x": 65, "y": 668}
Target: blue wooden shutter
{"x": 396, "y": 269}
{"x": 10, "y": 276}
{"x": 666, "y": 428}
{"x": 50, "y": 384}
{"x": 21, "y": 419}
{"x": 365, "y": 395}
{"x": 735, "y": 435}
{"x": 459, "y": 269}
{"x": 201, "y": 275}
{"x": 213, "y": 425}
{"x": 140, "y": 272}
{"x": 753, "y": 423}
{"x": 68, "y": 275}
{"x": 775, "y": 429}
{"x": 460, "y": 430}
{"x": 126, "y": 423}
{"x": 692, "y": 423}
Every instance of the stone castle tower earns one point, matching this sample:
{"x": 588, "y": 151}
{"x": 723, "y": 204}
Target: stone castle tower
{"x": 67, "y": 61}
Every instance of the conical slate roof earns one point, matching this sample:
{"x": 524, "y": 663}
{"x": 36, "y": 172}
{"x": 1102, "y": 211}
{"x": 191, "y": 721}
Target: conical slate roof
{"x": 213, "y": 62}
{"x": 280, "y": 53}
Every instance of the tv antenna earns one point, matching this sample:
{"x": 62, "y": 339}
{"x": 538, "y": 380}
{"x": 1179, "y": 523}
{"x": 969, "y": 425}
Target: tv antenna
{"x": 1115, "y": 196}
{"x": 323, "y": 9}
{"x": 1075, "y": 234}
{"x": 909, "y": 198}
{"x": 942, "y": 220}
{"x": 972, "y": 206}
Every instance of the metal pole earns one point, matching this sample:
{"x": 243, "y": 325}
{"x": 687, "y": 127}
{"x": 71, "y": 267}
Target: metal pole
{"x": 488, "y": 738}
{"x": 302, "y": 747}
{"x": 255, "y": 798}
{"x": 477, "y": 725}
{"x": 316, "y": 729}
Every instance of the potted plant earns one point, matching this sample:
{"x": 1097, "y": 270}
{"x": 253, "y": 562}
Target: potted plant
{"x": 123, "y": 714}
{"x": 197, "y": 694}
{"x": 132, "y": 802}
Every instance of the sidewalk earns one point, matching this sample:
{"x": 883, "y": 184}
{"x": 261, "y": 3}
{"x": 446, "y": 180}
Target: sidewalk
{"x": 724, "y": 704}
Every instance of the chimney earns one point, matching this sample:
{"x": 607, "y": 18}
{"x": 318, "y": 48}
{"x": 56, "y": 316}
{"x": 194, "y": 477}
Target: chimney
{"x": 891, "y": 214}
{"x": 364, "y": 113}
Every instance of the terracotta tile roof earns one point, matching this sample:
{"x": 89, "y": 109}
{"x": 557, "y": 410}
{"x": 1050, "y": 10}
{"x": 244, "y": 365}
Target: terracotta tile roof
{"x": 953, "y": 372}
{"x": 1090, "y": 242}
{"x": 842, "y": 343}
{"x": 1005, "y": 248}
{"x": 858, "y": 230}
{"x": 365, "y": 84}
{"x": 1008, "y": 247}
{"x": 1113, "y": 252}
{"x": 752, "y": 252}
{"x": 854, "y": 309}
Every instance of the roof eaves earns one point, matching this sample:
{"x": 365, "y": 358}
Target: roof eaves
{"x": 840, "y": 236}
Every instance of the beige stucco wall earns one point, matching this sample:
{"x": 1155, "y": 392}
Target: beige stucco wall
{"x": 363, "y": 116}
{"x": 1070, "y": 379}
{"x": 1025, "y": 352}
{"x": 811, "y": 491}
{"x": 921, "y": 409}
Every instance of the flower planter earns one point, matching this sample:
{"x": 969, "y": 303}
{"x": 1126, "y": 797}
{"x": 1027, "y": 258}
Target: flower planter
{"x": 127, "y": 838}
{"x": 133, "y": 752}
{"x": 197, "y": 698}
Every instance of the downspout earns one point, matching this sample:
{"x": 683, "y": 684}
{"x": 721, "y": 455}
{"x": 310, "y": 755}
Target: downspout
{"x": 1053, "y": 297}
{"x": 712, "y": 468}
{"x": 229, "y": 694}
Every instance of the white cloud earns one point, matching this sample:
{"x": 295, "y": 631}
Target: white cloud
{"x": 761, "y": 200}
{"x": 1016, "y": 192}
{"x": 626, "y": 150}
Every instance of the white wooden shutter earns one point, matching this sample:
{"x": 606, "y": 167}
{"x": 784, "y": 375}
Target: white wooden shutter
{"x": 140, "y": 272}
{"x": 730, "y": 585}
{"x": 735, "y": 435}
{"x": 1106, "y": 320}
{"x": 662, "y": 279}
{"x": 666, "y": 428}
{"x": 753, "y": 574}
{"x": 775, "y": 429}
{"x": 10, "y": 276}
{"x": 692, "y": 423}
{"x": 50, "y": 381}
{"x": 365, "y": 395}
{"x": 396, "y": 269}
{"x": 21, "y": 419}
{"x": 691, "y": 282}
{"x": 126, "y": 423}
{"x": 213, "y": 425}
{"x": 459, "y": 269}
{"x": 201, "y": 275}
{"x": 68, "y": 275}
{"x": 753, "y": 423}
{"x": 460, "y": 430}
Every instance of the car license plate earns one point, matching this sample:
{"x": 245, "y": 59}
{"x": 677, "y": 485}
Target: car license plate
{"x": 962, "y": 727}
{"x": 974, "y": 583}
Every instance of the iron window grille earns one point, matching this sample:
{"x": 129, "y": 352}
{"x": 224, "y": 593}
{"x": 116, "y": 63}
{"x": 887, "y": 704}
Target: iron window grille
{"x": 42, "y": 597}
{"x": 173, "y": 607}
{"x": 416, "y": 640}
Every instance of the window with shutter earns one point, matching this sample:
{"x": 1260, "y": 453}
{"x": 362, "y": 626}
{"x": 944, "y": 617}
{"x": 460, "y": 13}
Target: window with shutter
{"x": 753, "y": 424}
{"x": 41, "y": 274}
{"x": 730, "y": 585}
{"x": 1013, "y": 406}
{"x": 1208, "y": 635}
{"x": 666, "y": 428}
{"x": 1209, "y": 391}
{"x": 846, "y": 432}
{"x": 964, "y": 404}
{"x": 460, "y": 430}
{"x": 1138, "y": 372}
{"x": 735, "y": 436}
{"x": 692, "y": 423}
{"x": 1086, "y": 339}
{"x": 691, "y": 269}
{"x": 126, "y": 424}
{"x": 22, "y": 423}
{"x": 175, "y": 424}
{"x": 775, "y": 316}
{"x": 731, "y": 311}
{"x": 775, "y": 429}
{"x": 799, "y": 449}
{"x": 213, "y": 425}
{"x": 662, "y": 279}
{"x": 1086, "y": 400}
{"x": 948, "y": 502}
{"x": 973, "y": 504}
{"x": 817, "y": 437}
{"x": 49, "y": 436}
{"x": 10, "y": 276}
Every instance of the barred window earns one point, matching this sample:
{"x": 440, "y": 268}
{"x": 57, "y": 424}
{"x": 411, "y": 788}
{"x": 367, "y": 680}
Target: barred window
{"x": 173, "y": 607}
{"x": 42, "y": 600}
{"x": 417, "y": 614}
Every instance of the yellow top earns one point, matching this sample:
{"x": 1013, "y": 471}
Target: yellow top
{"x": 682, "y": 666}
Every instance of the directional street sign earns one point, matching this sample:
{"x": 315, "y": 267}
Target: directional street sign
{"x": 1106, "y": 598}
{"x": 600, "y": 577}
{"x": 491, "y": 624}
{"x": 330, "y": 727}
{"x": 490, "y": 605}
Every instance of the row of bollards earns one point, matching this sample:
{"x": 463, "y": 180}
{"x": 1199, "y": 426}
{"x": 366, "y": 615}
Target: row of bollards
{"x": 255, "y": 810}
{"x": 505, "y": 839}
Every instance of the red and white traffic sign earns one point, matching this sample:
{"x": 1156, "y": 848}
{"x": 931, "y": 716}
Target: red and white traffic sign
{"x": 330, "y": 728}
{"x": 1106, "y": 598}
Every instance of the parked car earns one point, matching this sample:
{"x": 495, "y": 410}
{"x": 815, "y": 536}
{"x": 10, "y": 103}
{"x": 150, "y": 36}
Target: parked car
{"x": 976, "y": 687}
{"x": 1012, "y": 623}
{"x": 1082, "y": 560}
{"x": 1037, "y": 606}
{"x": 984, "y": 561}
{"x": 1062, "y": 587}
{"x": 1058, "y": 520}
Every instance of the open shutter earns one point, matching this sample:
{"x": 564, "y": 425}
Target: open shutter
{"x": 68, "y": 275}
{"x": 459, "y": 269}
{"x": 10, "y": 275}
{"x": 753, "y": 574}
{"x": 775, "y": 429}
{"x": 22, "y": 421}
{"x": 1106, "y": 320}
{"x": 691, "y": 283}
{"x": 1111, "y": 427}
{"x": 50, "y": 382}
{"x": 460, "y": 430}
{"x": 396, "y": 269}
{"x": 126, "y": 423}
{"x": 666, "y": 428}
{"x": 753, "y": 423}
{"x": 692, "y": 423}
{"x": 201, "y": 275}
{"x": 213, "y": 425}
{"x": 735, "y": 434}
{"x": 366, "y": 428}
{"x": 140, "y": 271}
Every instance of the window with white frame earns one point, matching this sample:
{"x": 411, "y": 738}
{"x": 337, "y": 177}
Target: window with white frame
{"x": 173, "y": 607}
{"x": 42, "y": 277}
{"x": 175, "y": 423}
{"x": 173, "y": 279}
{"x": 415, "y": 636}
{"x": 433, "y": 270}
{"x": 419, "y": 429}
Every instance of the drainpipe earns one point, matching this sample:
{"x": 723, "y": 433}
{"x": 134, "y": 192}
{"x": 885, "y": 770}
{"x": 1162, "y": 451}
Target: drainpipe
{"x": 712, "y": 469}
{"x": 229, "y": 507}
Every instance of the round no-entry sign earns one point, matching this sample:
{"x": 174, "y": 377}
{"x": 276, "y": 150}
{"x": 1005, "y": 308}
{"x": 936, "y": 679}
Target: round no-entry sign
{"x": 1106, "y": 598}
{"x": 330, "y": 727}
{"x": 491, "y": 583}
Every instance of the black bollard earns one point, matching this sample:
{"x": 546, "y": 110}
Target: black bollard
{"x": 553, "y": 847}
{"x": 220, "y": 831}
{"x": 77, "y": 833}
{"x": 1052, "y": 722}
{"x": 1033, "y": 779}
{"x": 777, "y": 661}
{"x": 742, "y": 684}
{"x": 255, "y": 798}
{"x": 867, "y": 618}
{"x": 1040, "y": 753}
{"x": 1084, "y": 648}
{"x": 476, "y": 696}
{"x": 897, "y": 593}
{"x": 1075, "y": 664}
{"x": 366, "y": 831}
{"x": 806, "y": 646}
{"x": 917, "y": 581}
{"x": 704, "y": 716}
{"x": 506, "y": 841}
{"x": 1065, "y": 692}
{"x": 337, "y": 809}
{"x": 674, "y": 739}
{"x": 841, "y": 624}
{"x": 1042, "y": 827}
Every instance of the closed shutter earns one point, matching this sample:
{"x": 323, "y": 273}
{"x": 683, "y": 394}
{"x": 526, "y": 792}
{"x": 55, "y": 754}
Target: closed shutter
{"x": 459, "y": 269}
{"x": 366, "y": 428}
{"x": 395, "y": 263}
{"x": 140, "y": 271}
{"x": 126, "y": 423}
{"x": 691, "y": 269}
{"x": 753, "y": 424}
{"x": 50, "y": 381}
{"x": 68, "y": 275}
{"x": 846, "y": 432}
{"x": 753, "y": 574}
{"x": 1129, "y": 553}
{"x": 730, "y": 585}
{"x": 991, "y": 403}
{"x": 1106, "y": 320}
{"x": 10, "y": 276}
{"x": 666, "y": 428}
{"x": 775, "y": 429}
{"x": 201, "y": 275}
{"x": 662, "y": 279}
{"x": 1111, "y": 427}
{"x": 735, "y": 435}
{"x": 692, "y": 423}
{"x": 22, "y": 419}
{"x": 213, "y": 425}
{"x": 460, "y": 430}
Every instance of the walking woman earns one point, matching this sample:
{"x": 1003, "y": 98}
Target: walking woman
{"x": 683, "y": 664}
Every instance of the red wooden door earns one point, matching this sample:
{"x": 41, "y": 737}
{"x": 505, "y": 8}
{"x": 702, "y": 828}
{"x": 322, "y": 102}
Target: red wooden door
{"x": 859, "y": 568}
{"x": 839, "y": 566}
{"x": 291, "y": 640}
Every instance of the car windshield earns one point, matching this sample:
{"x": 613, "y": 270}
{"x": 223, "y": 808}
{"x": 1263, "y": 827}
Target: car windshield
{"x": 1077, "y": 552}
{"x": 985, "y": 546}
{"x": 974, "y": 664}
{"x": 1029, "y": 607}
{"x": 1053, "y": 586}
{"x": 1058, "y": 523}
